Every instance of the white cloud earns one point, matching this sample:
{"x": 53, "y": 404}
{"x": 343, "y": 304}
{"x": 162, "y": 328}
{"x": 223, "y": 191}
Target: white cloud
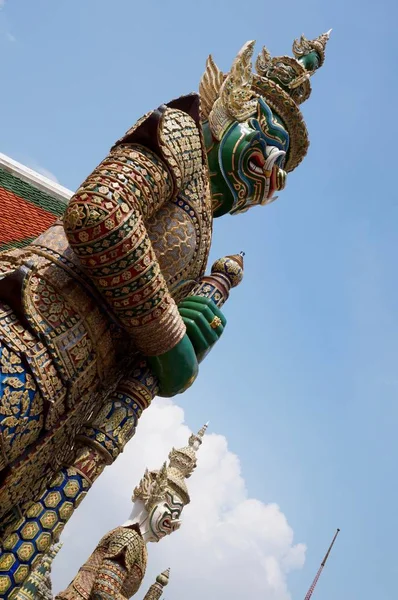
{"x": 230, "y": 546}
{"x": 2, "y": 3}
{"x": 10, "y": 37}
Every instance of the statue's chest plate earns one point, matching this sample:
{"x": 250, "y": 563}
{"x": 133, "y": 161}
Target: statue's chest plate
{"x": 181, "y": 234}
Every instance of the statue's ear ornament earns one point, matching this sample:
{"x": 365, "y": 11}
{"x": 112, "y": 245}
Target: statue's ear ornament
{"x": 152, "y": 487}
{"x": 159, "y": 487}
{"x": 236, "y": 99}
{"x": 209, "y": 87}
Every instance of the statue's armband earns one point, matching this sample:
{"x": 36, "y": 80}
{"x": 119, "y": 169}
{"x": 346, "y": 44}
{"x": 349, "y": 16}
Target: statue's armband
{"x": 110, "y": 579}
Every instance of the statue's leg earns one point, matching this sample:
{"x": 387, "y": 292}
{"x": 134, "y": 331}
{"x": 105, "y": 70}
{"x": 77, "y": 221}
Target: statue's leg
{"x": 21, "y": 407}
{"x": 99, "y": 444}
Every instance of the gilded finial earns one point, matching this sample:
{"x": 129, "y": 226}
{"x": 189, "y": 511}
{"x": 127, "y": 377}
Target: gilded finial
{"x": 226, "y": 273}
{"x": 230, "y": 267}
{"x": 156, "y": 589}
{"x": 163, "y": 578}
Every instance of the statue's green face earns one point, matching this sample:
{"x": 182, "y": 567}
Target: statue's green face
{"x": 246, "y": 166}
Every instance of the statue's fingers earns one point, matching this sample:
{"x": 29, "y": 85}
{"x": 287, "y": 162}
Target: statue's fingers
{"x": 213, "y": 320}
{"x": 196, "y": 337}
{"x": 203, "y": 308}
{"x": 204, "y": 326}
{"x": 202, "y": 300}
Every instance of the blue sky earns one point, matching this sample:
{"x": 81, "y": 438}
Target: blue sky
{"x": 304, "y": 383}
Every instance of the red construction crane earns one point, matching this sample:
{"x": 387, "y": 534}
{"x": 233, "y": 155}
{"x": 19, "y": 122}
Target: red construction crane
{"x": 323, "y": 563}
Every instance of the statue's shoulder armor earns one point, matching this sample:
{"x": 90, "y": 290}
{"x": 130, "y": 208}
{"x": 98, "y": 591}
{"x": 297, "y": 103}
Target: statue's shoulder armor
{"x": 144, "y": 131}
{"x": 173, "y": 132}
{"x": 128, "y": 542}
{"x": 182, "y": 146}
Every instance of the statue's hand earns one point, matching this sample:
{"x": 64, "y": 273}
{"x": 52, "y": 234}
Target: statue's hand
{"x": 204, "y": 322}
{"x": 177, "y": 369}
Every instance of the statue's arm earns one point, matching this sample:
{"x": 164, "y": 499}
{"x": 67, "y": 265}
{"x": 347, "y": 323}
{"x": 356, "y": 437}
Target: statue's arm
{"x": 109, "y": 581}
{"x": 125, "y": 548}
{"x": 105, "y": 225}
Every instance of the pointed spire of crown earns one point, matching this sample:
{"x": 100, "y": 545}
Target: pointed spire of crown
{"x": 182, "y": 462}
{"x": 184, "y": 459}
{"x": 196, "y": 439}
{"x": 303, "y": 47}
{"x": 284, "y": 83}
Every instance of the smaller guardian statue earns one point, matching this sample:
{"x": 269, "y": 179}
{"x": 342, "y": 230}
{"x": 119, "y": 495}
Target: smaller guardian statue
{"x": 117, "y": 566}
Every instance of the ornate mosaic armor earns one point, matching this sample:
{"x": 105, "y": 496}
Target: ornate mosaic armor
{"x": 140, "y": 225}
{"x": 111, "y": 306}
{"x": 115, "y": 569}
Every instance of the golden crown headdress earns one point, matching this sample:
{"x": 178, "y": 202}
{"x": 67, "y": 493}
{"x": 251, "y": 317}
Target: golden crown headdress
{"x": 282, "y": 81}
{"x": 154, "y": 485}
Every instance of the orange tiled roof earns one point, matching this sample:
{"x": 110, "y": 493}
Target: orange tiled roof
{"x": 21, "y": 219}
{"x": 25, "y": 211}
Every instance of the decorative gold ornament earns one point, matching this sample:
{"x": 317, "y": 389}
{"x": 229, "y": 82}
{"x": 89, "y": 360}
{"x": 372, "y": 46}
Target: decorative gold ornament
{"x": 216, "y": 322}
{"x": 209, "y": 87}
{"x": 236, "y": 100}
{"x": 152, "y": 487}
{"x": 286, "y": 70}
